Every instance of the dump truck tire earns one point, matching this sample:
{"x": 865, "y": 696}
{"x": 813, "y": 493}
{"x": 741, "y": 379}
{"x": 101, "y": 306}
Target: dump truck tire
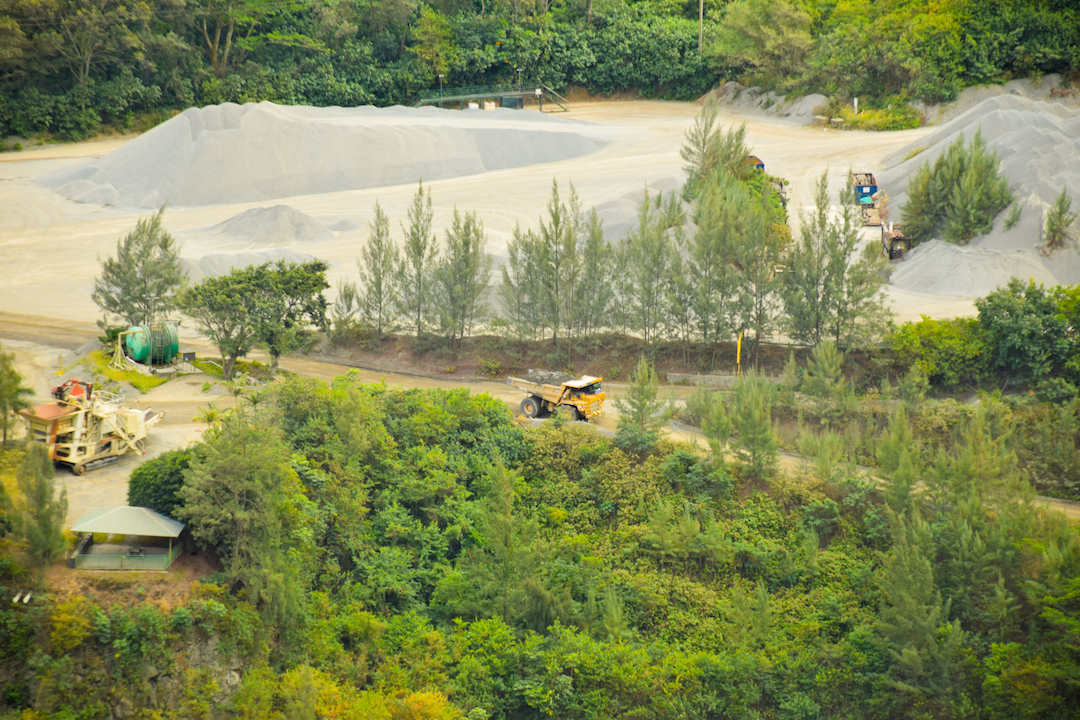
{"x": 898, "y": 249}
{"x": 530, "y": 407}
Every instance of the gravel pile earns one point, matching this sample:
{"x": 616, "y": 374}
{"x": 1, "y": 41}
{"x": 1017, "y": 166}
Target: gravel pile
{"x": 232, "y": 153}
{"x": 271, "y": 226}
{"x": 1039, "y": 147}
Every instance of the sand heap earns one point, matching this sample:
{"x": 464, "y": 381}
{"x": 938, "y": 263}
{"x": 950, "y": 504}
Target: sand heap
{"x": 250, "y": 153}
{"x": 1039, "y": 147}
{"x": 271, "y": 226}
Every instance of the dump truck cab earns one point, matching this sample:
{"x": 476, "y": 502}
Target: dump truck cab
{"x": 584, "y": 396}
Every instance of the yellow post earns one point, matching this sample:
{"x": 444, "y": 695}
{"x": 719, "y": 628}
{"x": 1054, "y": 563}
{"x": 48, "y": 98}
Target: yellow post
{"x": 738, "y": 355}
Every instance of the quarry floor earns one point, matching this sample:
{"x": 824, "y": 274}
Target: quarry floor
{"x": 50, "y": 246}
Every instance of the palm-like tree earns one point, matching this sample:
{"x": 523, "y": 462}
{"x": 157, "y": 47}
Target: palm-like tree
{"x": 13, "y": 394}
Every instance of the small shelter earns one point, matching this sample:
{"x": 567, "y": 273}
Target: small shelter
{"x": 134, "y": 522}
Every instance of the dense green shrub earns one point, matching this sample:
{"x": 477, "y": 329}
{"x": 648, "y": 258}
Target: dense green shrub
{"x": 951, "y": 353}
{"x": 156, "y": 482}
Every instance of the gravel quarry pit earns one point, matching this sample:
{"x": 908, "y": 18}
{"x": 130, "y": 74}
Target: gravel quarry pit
{"x": 50, "y": 243}
{"x": 610, "y": 151}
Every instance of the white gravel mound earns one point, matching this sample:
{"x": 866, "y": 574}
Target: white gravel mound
{"x": 941, "y": 268}
{"x": 1039, "y": 147}
{"x": 217, "y": 264}
{"x": 270, "y": 226}
{"x": 230, "y": 153}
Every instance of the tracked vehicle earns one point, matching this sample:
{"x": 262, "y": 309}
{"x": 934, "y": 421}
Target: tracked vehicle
{"x": 86, "y": 429}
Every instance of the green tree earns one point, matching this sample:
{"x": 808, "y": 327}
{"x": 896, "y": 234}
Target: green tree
{"x": 643, "y": 261}
{"x": 924, "y": 646}
{"x": 596, "y": 294}
{"x": 141, "y": 283}
{"x": 94, "y": 32}
{"x": 417, "y": 270}
{"x": 223, "y": 308}
{"x": 464, "y": 274}
{"x": 518, "y": 292}
{"x": 1025, "y": 330}
{"x": 771, "y": 37}
{"x": 42, "y": 512}
{"x": 378, "y": 264}
{"x": 745, "y": 424}
{"x": 641, "y": 411}
{"x": 830, "y": 288}
{"x": 959, "y": 195}
{"x": 711, "y": 261}
{"x": 227, "y": 30}
{"x": 12, "y": 394}
{"x": 1059, "y": 222}
{"x": 156, "y": 483}
{"x": 757, "y": 248}
{"x": 558, "y": 263}
{"x": 236, "y": 497}
{"x": 435, "y": 43}
{"x": 288, "y": 301}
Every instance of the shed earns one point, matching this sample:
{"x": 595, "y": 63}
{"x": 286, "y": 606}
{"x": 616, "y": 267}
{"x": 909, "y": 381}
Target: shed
{"x": 133, "y": 522}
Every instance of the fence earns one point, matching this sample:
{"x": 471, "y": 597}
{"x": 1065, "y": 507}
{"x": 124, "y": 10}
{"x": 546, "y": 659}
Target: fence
{"x": 128, "y": 562}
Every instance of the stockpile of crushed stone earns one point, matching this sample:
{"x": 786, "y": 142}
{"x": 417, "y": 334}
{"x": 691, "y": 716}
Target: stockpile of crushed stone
{"x": 231, "y": 153}
{"x": 756, "y": 100}
{"x": 1039, "y": 147}
{"x": 217, "y": 264}
{"x": 269, "y": 226}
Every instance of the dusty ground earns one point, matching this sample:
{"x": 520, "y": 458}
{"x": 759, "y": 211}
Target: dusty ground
{"x": 50, "y": 246}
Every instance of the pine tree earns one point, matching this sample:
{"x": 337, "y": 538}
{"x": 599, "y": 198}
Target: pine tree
{"x": 42, "y": 512}
{"x": 417, "y": 268}
{"x": 644, "y": 257}
{"x": 140, "y": 284}
{"x": 641, "y": 411}
{"x": 751, "y": 420}
{"x": 379, "y": 264}
{"x": 1059, "y": 222}
{"x": 825, "y": 373}
{"x": 700, "y": 147}
{"x": 597, "y": 292}
{"x": 463, "y": 276}
{"x": 757, "y": 246}
{"x": 805, "y": 289}
{"x": 912, "y": 620}
{"x": 711, "y": 259}
{"x": 518, "y": 292}
{"x": 557, "y": 263}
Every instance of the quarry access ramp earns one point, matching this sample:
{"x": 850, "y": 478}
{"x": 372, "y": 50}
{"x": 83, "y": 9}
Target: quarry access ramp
{"x": 511, "y": 96}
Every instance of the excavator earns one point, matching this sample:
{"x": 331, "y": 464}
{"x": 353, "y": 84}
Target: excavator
{"x": 87, "y": 428}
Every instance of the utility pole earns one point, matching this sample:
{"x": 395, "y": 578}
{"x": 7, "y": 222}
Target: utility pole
{"x": 700, "y": 24}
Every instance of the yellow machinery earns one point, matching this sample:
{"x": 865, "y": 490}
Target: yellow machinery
{"x": 86, "y": 429}
{"x": 584, "y": 396}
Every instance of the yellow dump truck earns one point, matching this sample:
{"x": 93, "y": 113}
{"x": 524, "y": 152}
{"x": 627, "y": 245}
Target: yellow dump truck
{"x": 584, "y": 396}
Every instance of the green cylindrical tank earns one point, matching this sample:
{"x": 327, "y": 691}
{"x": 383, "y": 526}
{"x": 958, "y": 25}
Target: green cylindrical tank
{"x": 149, "y": 344}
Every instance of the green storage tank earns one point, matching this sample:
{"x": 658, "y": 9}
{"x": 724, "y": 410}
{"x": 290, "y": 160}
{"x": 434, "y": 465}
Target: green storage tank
{"x": 152, "y": 344}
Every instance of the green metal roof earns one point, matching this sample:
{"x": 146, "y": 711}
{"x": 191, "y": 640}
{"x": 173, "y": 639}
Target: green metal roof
{"x": 127, "y": 521}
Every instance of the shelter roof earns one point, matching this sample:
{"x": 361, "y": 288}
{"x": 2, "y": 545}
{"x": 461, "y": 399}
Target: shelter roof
{"x": 127, "y": 521}
{"x": 49, "y": 411}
